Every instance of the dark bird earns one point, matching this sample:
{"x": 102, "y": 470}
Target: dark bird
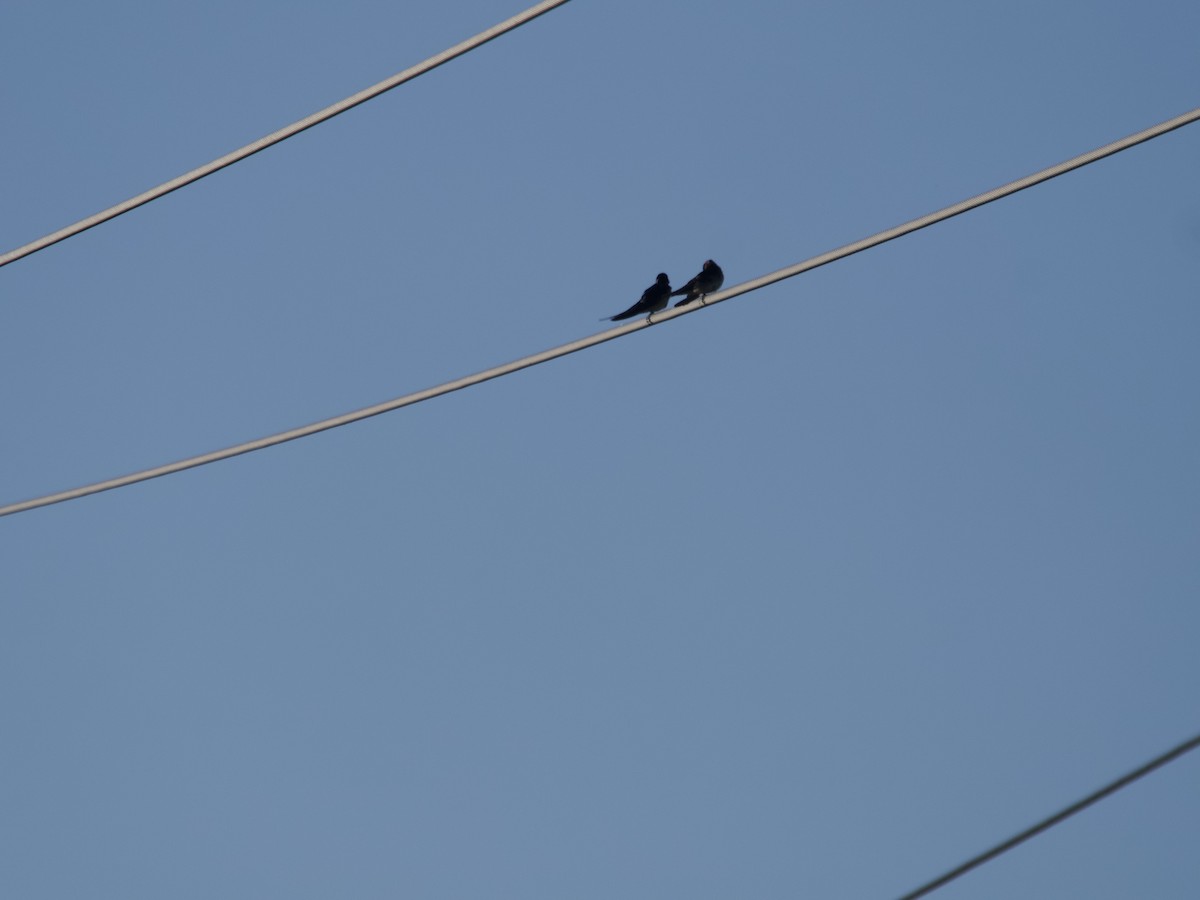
{"x": 709, "y": 280}
{"x": 653, "y": 299}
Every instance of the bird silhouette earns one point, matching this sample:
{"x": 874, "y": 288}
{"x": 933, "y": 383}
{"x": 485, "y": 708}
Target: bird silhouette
{"x": 653, "y": 299}
{"x": 710, "y": 279}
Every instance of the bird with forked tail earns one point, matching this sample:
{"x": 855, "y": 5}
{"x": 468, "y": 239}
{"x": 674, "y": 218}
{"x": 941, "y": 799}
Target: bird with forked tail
{"x": 653, "y": 299}
{"x": 709, "y": 280}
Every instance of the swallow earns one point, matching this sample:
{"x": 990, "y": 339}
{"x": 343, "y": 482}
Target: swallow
{"x": 709, "y": 280}
{"x": 653, "y": 299}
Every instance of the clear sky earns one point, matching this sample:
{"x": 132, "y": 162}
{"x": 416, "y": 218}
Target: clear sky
{"x": 811, "y": 594}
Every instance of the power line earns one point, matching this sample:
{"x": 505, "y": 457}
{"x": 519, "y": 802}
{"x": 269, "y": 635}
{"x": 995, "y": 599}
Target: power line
{"x": 1053, "y": 820}
{"x": 600, "y": 338}
{"x": 283, "y": 133}
{"x": 950, "y": 211}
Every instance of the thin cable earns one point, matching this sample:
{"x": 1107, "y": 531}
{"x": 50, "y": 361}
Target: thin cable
{"x": 957, "y": 209}
{"x": 600, "y": 338}
{"x": 1053, "y": 820}
{"x": 283, "y": 133}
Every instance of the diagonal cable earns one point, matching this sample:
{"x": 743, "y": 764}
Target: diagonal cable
{"x": 1003, "y": 847}
{"x": 283, "y": 133}
{"x": 620, "y": 331}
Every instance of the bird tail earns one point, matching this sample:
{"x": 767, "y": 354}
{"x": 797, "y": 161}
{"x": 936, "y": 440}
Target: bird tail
{"x": 628, "y": 314}
{"x": 682, "y": 290}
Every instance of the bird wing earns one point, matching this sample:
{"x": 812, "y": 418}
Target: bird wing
{"x": 687, "y": 288}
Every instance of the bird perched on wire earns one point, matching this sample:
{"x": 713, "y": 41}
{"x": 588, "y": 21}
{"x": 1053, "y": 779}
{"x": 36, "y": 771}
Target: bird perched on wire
{"x": 653, "y": 299}
{"x": 709, "y": 280}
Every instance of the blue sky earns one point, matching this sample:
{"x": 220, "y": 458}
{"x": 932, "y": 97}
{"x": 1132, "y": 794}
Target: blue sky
{"x": 814, "y": 593}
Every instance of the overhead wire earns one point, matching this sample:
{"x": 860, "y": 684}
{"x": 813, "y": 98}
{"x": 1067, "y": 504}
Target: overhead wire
{"x": 283, "y": 133}
{"x": 620, "y": 331}
{"x": 1050, "y": 821}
